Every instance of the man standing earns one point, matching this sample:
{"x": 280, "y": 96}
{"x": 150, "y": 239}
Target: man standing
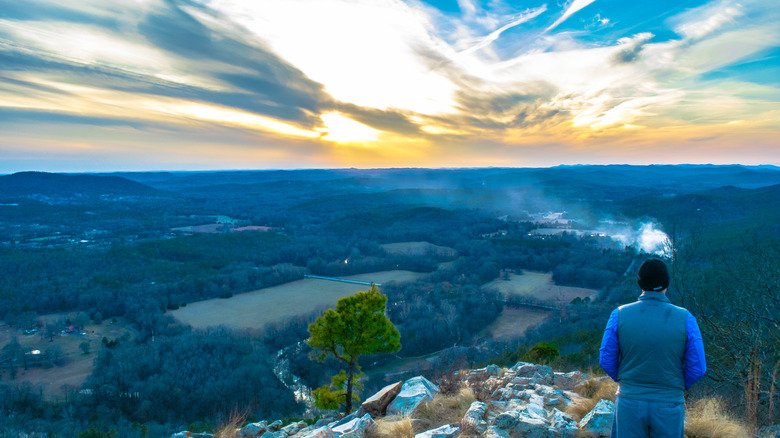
{"x": 654, "y": 351}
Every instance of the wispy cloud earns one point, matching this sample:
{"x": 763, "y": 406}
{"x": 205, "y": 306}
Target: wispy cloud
{"x": 572, "y": 9}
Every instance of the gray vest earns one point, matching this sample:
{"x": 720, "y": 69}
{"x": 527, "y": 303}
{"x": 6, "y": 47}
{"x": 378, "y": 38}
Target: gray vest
{"x": 652, "y": 334}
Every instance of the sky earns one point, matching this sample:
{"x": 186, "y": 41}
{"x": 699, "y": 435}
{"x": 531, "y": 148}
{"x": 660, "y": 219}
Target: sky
{"x": 280, "y": 84}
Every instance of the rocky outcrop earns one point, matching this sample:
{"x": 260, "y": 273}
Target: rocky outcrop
{"x": 413, "y": 392}
{"x": 376, "y": 405}
{"x": 526, "y": 400}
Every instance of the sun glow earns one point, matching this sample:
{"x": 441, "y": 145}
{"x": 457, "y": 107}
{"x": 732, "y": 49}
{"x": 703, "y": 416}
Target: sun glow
{"x": 341, "y": 129}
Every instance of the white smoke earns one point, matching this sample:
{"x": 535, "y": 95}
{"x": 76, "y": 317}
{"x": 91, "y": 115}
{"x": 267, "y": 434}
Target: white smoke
{"x": 648, "y": 238}
{"x": 651, "y": 240}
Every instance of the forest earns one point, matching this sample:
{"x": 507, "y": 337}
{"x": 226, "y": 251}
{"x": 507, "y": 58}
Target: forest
{"x": 101, "y": 248}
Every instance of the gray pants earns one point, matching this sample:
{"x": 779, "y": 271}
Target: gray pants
{"x": 645, "y": 419}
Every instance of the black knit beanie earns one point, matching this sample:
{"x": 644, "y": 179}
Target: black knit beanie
{"x": 653, "y": 276}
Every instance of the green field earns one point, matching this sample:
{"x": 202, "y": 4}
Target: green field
{"x": 536, "y": 286}
{"x": 539, "y": 286}
{"x": 253, "y": 310}
{"x": 77, "y": 366}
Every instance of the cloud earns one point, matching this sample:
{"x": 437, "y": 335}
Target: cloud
{"x": 573, "y": 8}
{"x": 490, "y": 38}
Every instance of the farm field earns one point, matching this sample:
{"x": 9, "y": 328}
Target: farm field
{"x": 513, "y": 323}
{"x": 536, "y": 286}
{"x": 539, "y": 286}
{"x": 77, "y": 365}
{"x": 418, "y": 248}
{"x": 253, "y": 310}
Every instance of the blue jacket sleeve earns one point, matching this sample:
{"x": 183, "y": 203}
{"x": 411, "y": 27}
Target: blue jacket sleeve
{"x": 695, "y": 364}
{"x": 609, "y": 353}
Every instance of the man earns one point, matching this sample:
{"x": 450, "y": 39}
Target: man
{"x": 654, "y": 351}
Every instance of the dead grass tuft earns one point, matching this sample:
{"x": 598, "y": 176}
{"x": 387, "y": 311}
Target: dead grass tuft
{"x": 707, "y": 418}
{"x": 229, "y": 427}
{"x": 391, "y": 427}
{"x": 595, "y": 390}
{"x": 444, "y": 409}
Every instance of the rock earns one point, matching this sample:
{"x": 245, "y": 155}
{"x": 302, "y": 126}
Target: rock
{"x": 569, "y": 381}
{"x": 269, "y": 434}
{"x": 413, "y": 392}
{"x": 322, "y": 432}
{"x": 563, "y": 425}
{"x": 482, "y": 374}
{"x": 293, "y": 428}
{"x": 599, "y": 420}
{"x": 525, "y": 369}
{"x": 187, "y": 434}
{"x": 275, "y": 426}
{"x": 253, "y": 430}
{"x": 355, "y": 428}
{"x": 537, "y": 410}
{"x": 446, "y": 431}
{"x": 495, "y": 432}
{"x": 506, "y": 420}
{"x": 376, "y": 405}
{"x": 530, "y": 424}
{"x": 474, "y": 418}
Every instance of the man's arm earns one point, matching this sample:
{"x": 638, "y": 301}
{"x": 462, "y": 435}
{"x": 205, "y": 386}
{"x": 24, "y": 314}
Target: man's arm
{"x": 609, "y": 353}
{"x": 695, "y": 364}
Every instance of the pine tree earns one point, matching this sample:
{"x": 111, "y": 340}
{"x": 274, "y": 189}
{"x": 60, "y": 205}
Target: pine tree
{"x": 357, "y": 326}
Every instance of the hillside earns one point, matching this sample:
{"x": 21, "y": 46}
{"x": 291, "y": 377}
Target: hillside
{"x": 24, "y": 184}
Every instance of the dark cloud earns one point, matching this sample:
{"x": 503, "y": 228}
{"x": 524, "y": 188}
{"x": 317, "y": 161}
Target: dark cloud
{"x": 384, "y": 120}
{"x": 31, "y": 10}
{"x": 15, "y": 115}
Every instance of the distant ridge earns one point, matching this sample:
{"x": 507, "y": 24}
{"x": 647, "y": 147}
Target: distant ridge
{"x": 68, "y": 185}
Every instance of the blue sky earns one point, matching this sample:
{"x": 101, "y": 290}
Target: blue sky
{"x": 237, "y": 84}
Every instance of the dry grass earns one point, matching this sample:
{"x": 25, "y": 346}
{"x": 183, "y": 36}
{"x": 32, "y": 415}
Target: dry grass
{"x": 391, "y": 427}
{"x": 443, "y": 409}
{"x": 230, "y": 426}
{"x": 594, "y": 390}
{"x": 707, "y": 419}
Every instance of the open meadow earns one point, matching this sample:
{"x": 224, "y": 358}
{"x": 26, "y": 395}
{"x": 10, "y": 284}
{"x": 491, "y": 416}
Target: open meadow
{"x": 539, "y": 286}
{"x": 255, "y": 309}
{"x": 75, "y": 365}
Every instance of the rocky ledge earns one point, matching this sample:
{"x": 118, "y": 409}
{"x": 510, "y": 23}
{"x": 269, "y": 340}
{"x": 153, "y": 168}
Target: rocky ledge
{"x": 526, "y": 400}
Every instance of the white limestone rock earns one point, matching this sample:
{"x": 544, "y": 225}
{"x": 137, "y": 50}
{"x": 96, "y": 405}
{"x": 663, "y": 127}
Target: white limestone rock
{"x": 446, "y": 431}
{"x": 599, "y": 420}
{"x": 413, "y": 392}
{"x": 474, "y": 418}
{"x": 355, "y": 428}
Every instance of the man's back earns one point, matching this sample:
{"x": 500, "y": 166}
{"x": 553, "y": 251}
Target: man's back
{"x": 652, "y": 338}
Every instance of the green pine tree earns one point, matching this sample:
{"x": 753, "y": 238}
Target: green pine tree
{"x": 357, "y": 326}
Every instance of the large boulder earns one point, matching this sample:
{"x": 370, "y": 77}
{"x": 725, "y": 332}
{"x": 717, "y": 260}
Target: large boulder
{"x": 413, "y": 392}
{"x": 446, "y": 431}
{"x": 253, "y": 430}
{"x": 322, "y": 432}
{"x": 376, "y": 405}
{"x": 293, "y": 428}
{"x": 531, "y": 424}
{"x": 542, "y": 374}
{"x": 355, "y": 428}
{"x": 474, "y": 418}
{"x": 599, "y": 420}
{"x": 572, "y": 381}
